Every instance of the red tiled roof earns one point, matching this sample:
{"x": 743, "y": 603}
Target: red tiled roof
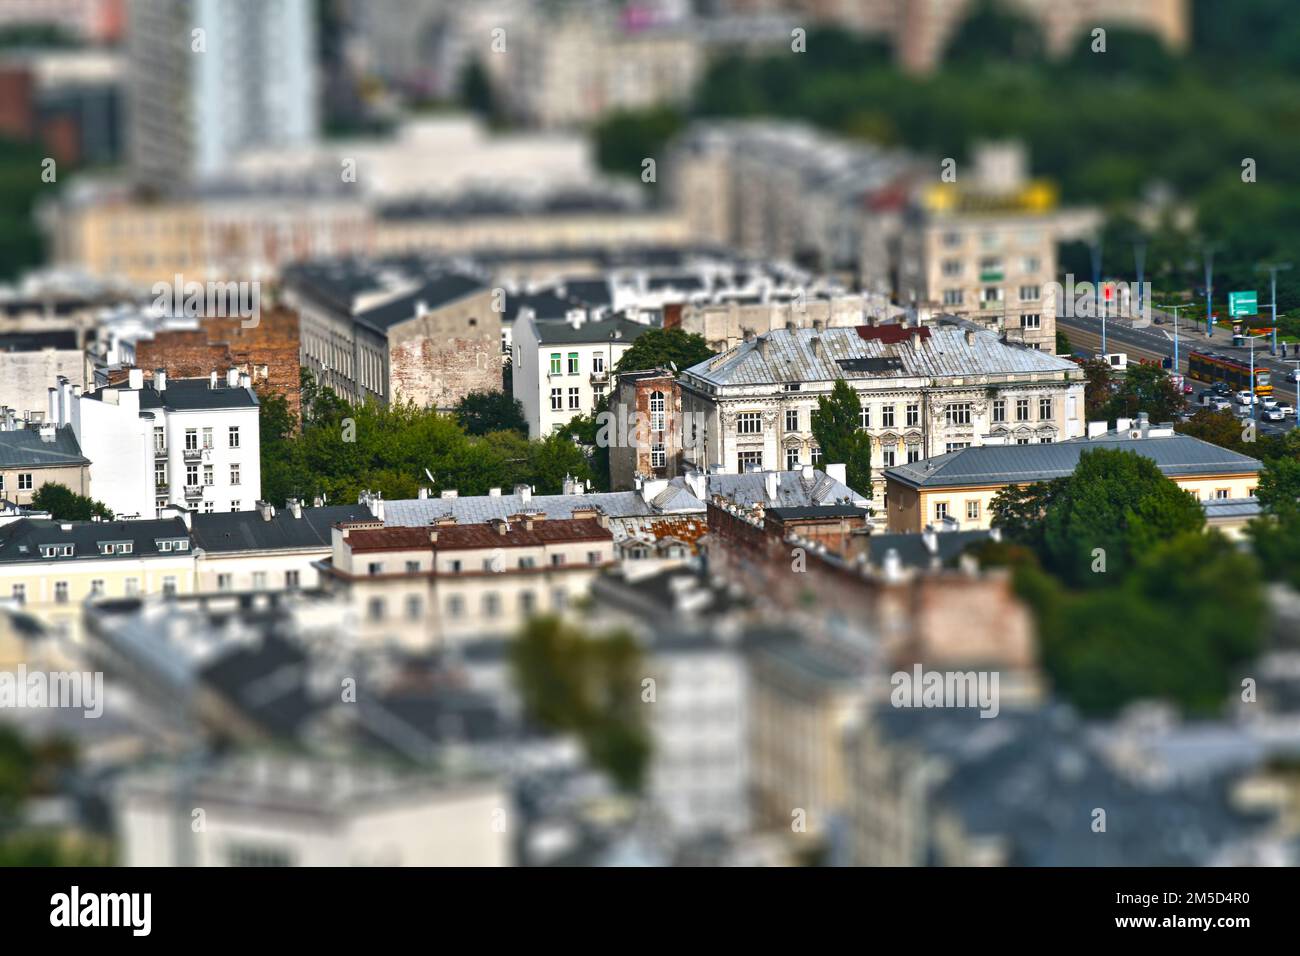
{"x": 891, "y": 333}
{"x": 550, "y": 531}
{"x": 389, "y": 539}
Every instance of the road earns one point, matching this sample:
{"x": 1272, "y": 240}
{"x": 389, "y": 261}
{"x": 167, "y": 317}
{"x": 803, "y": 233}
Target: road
{"x": 1156, "y": 342}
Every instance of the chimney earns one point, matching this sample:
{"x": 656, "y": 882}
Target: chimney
{"x": 1097, "y": 428}
{"x": 893, "y": 565}
{"x": 916, "y": 341}
{"x": 525, "y": 493}
{"x": 762, "y": 346}
{"x": 245, "y": 380}
{"x": 160, "y": 379}
{"x": 53, "y": 401}
{"x": 232, "y": 378}
{"x": 295, "y": 507}
{"x": 135, "y": 379}
{"x": 449, "y": 493}
{"x": 806, "y": 472}
{"x": 698, "y": 484}
{"x": 970, "y": 336}
{"x": 769, "y": 483}
{"x": 1123, "y": 424}
{"x": 838, "y": 472}
{"x": 494, "y": 492}
{"x": 47, "y": 432}
{"x": 819, "y": 325}
{"x": 423, "y": 493}
{"x": 212, "y": 380}
{"x": 930, "y": 539}
{"x": 266, "y": 509}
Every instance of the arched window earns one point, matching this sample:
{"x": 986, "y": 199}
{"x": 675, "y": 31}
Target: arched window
{"x": 657, "y": 411}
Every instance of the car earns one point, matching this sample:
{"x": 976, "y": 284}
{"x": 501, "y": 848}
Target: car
{"x": 1220, "y": 404}
{"x": 1221, "y": 388}
{"x": 1293, "y": 375}
{"x": 1274, "y": 414}
{"x": 1287, "y": 411}
{"x": 1269, "y": 402}
{"x": 1246, "y": 397}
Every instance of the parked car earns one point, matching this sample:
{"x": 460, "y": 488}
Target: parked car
{"x": 1268, "y": 402}
{"x": 1220, "y": 404}
{"x": 1246, "y": 397}
{"x": 1287, "y": 411}
{"x": 1274, "y": 414}
{"x": 1293, "y": 375}
{"x": 1221, "y": 388}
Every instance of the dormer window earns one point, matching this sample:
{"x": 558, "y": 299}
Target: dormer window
{"x": 56, "y": 550}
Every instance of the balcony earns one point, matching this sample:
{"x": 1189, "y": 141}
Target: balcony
{"x": 159, "y": 452}
{"x": 192, "y": 454}
{"x": 193, "y": 492}
{"x": 600, "y": 378}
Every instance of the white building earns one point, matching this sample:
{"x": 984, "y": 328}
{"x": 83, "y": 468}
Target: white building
{"x": 277, "y": 811}
{"x": 191, "y": 442}
{"x": 924, "y": 392}
{"x": 209, "y": 79}
{"x": 561, "y": 369}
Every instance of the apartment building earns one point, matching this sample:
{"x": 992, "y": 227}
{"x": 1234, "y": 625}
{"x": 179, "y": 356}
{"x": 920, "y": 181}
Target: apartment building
{"x": 562, "y": 369}
{"x": 30, "y": 360}
{"x": 924, "y": 390}
{"x": 724, "y": 321}
{"x": 209, "y": 79}
{"x": 51, "y": 567}
{"x": 959, "y": 487}
{"x": 190, "y": 442}
{"x": 649, "y": 446}
{"x": 35, "y": 455}
{"x": 451, "y": 583}
{"x": 397, "y": 330}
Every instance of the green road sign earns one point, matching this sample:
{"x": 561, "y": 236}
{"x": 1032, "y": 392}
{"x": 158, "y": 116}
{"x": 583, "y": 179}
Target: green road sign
{"x": 1242, "y": 303}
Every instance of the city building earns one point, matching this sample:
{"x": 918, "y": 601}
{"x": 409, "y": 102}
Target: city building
{"x": 275, "y": 810}
{"x": 190, "y": 441}
{"x": 35, "y": 455}
{"x": 924, "y": 391}
{"x": 210, "y": 79}
{"x": 68, "y": 101}
{"x": 649, "y": 403}
{"x": 725, "y": 320}
{"x": 959, "y": 486}
{"x": 29, "y": 361}
{"x": 95, "y": 21}
{"x": 396, "y": 331}
{"x": 266, "y": 549}
{"x": 453, "y": 583}
{"x": 562, "y": 369}
{"x": 52, "y": 567}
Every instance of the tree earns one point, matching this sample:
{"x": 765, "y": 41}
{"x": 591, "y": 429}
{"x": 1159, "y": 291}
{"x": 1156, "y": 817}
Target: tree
{"x": 1063, "y": 345}
{"x": 991, "y": 32}
{"x": 1146, "y": 388}
{"x": 1279, "y": 487}
{"x": 625, "y": 139}
{"x": 483, "y": 412}
{"x": 1098, "y": 382}
{"x": 476, "y": 93}
{"x": 1115, "y": 507}
{"x": 553, "y": 459}
{"x": 1018, "y": 511}
{"x": 64, "y": 504}
{"x": 661, "y": 348}
{"x": 837, "y": 427}
{"x": 590, "y": 686}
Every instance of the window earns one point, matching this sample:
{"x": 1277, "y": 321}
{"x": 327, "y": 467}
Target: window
{"x": 951, "y": 239}
{"x": 455, "y": 606}
{"x": 575, "y": 399}
{"x": 972, "y": 511}
{"x": 791, "y": 459}
{"x": 990, "y": 294}
{"x": 1022, "y": 441}
{"x": 376, "y": 609}
{"x": 209, "y": 475}
{"x": 557, "y": 399}
{"x": 455, "y": 566}
{"x": 1222, "y": 494}
{"x": 1032, "y": 264}
{"x": 160, "y": 474}
{"x": 657, "y": 411}
{"x": 209, "y": 507}
{"x": 97, "y": 588}
{"x": 658, "y": 455}
{"x": 597, "y": 363}
{"x": 952, "y": 296}
{"x": 864, "y": 417}
{"x": 940, "y": 510}
{"x": 169, "y": 586}
{"x": 1045, "y": 440}
{"x": 889, "y": 457}
{"x": 573, "y": 363}
{"x": 207, "y": 438}
{"x": 527, "y": 562}
{"x": 913, "y": 454}
{"x": 555, "y": 363}
{"x": 913, "y": 415}
{"x": 746, "y": 460}
{"x": 132, "y": 587}
{"x": 792, "y": 419}
{"x": 951, "y": 267}
{"x": 999, "y": 410}
{"x": 749, "y": 423}
{"x": 234, "y": 436}
{"x": 259, "y": 580}
{"x": 291, "y": 580}
{"x": 557, "y": 560}
{"x": 1030, "y": 293}
{"x": 19, "y": 593}
{"x": 491, "y": 604}
{"x": 1045, "y": 409}
{"x": 598, "y": 390}
{"x": 234, "y": 474}
{"x": 414, "y": 607}
{"x": 957, "y": 413}
{"x": 527, "y": 602}
{"x": 224, "y": 582}
{"x": 887, "y": 416}
{"x": 159, "y": 440}
{"x": 1031, "y": 321}
{"x": 1022, "y": 409}
{"x": 375, "y": 567}
{"x": 956, "y": 446}
{"x": 191, "y": 476}
{"x": 815, "y": 455}
{"x": 61, "y": 592}
{"x": 191, "y": 439}
{"x": 25, "y": 481}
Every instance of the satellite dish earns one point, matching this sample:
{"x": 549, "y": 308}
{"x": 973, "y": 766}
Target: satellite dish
{"x": 430, "y": 476}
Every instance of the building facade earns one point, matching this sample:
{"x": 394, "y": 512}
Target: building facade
{"x": 649, "y": 446}
{"x": 924, "y": 391}
{"x": 35, "y": 455}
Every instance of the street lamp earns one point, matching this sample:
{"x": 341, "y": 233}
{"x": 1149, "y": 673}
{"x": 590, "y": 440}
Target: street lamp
{"x": 1273, "y": 268}
{"x": 1174, "y": 309}
{"x": 1209, "y": 287}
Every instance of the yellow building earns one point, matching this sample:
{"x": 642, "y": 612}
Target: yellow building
{"x": 960, "y": 486}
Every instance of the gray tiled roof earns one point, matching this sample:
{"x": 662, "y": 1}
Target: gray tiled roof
{"x": 188, "y": 394}
{"x": 944, "y": 352}
{"x": 793, "y": 490}
{"x": 23, "y": 448}
{"x": 913, "y": 552}
{"x": 247, "y": 531}
{"x": 418, "y": 512}
{"x": 1176, "y": 456}
{"x": 21, "y": 540}
{"x": 614, "y": 328}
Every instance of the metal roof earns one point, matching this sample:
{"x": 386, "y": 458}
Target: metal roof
{"x": 24, "y": 448}
{"x": 234, "y": 531}
{"x": 1176, "y": 456}
{"x": 792, "y": 355}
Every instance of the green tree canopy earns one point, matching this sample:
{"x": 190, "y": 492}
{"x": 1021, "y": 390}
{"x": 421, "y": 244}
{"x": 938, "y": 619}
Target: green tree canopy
{"x": 837, "y": 427}
{"x": 64, "y": 504}
{"x": 483, "y": 412}
{"x": 661, "y": 348}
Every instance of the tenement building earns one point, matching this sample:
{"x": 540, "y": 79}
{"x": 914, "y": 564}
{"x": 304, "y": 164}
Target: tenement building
{"x": 925, "y": 391}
